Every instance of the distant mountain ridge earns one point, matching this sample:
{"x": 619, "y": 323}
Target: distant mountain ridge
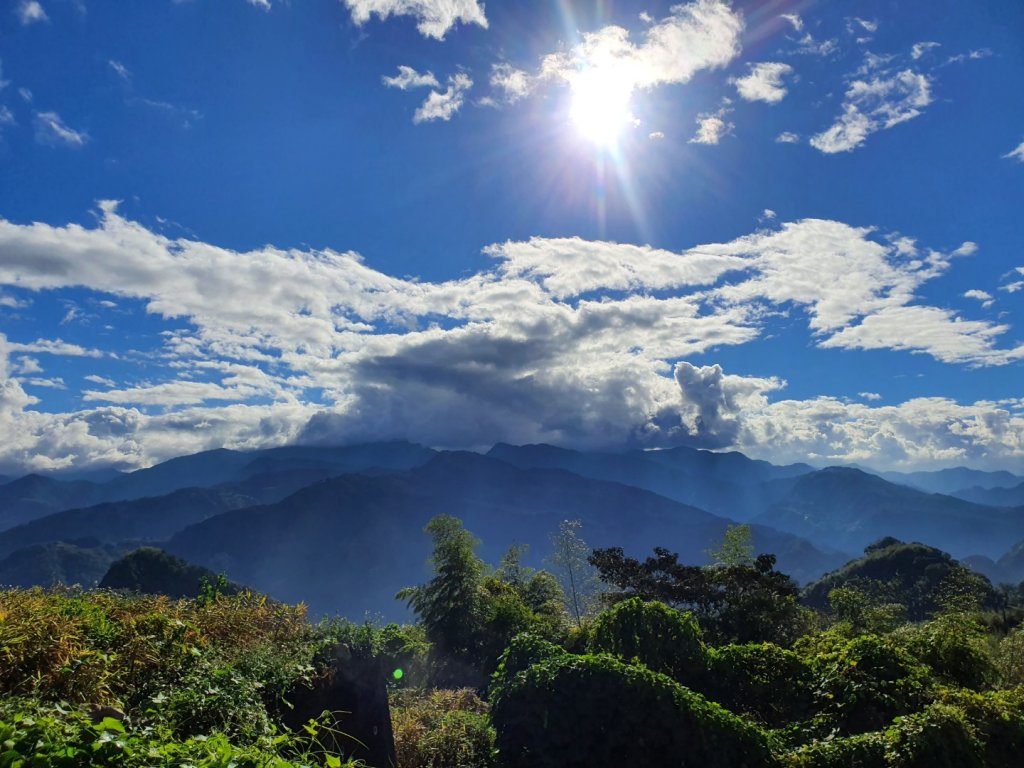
{"x": 291, "y": 521}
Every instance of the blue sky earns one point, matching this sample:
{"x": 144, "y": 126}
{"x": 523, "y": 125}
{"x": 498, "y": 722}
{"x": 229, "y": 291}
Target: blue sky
{"x": 788, "y": 228}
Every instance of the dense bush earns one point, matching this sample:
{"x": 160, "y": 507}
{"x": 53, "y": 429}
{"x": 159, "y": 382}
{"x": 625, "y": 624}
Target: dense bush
{"x": 864, "y": 682}
{"x": 771, "y": 684}
{"x": 523, "y": 652}
{"x": 662, "y": 638}
{"x": 441, "y": 729}
{"x": 954, "y": 648}
{"x": 585, "y": 711}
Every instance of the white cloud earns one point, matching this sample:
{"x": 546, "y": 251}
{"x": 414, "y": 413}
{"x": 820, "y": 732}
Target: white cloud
{"x": 434, "y": 17}
{"x": 872, "y": 396}
{"x": 700, "y": 35}
{"x": 515, "y": 84}
{"x": 50, "y": 129}
{"x": 704, "y": 34}
{"x": 875, "y": 105}
{"x": 408, "y": 77}
{"x": 795, "y": 20}
{"x": 767, "y": 215}
{"x": 30, "y": 12}
{"x": 55, "y": 383}
{"x": 6, "y": 116}
{"x": 764, "y": 83}
{"x": 984, "y": 297}
{"x": 119, "y": 69}
{"x": 787, "y": 137}
{"x": 264, "y": 4}
{"x": 26, "y": 95}
{"x": 562, "y": 340}
{"x": 442, "y": 105}
{"x": 920, "y": 49}
{"x": 857, "y": 25}
{"x": 1016, "y": 154}
{"x": 96, "y": 379}
{"x": 655, "y": 135}
{"x": 26, "y": 365}
{"x": 979, "y": 53}
{"x": 808, "y": 45}
{"x": 712, "y": 127}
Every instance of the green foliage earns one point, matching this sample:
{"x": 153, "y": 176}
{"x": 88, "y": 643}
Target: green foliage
{"x": 450, "y": 605}
{"x": 523, "y": 652}
{"x": 576, "y": 575}
{"x": 662, "y": 638}
{"x": 751, "y": 679}
{"x": 955, "y": 648}
{"x": 733, "y": 603}
{"x": 584, "y": 711}
{"x": 154, "y": 572}
{"x": 864, "y": 682}
{"x": 736, "y": 547}
{"x": 441, "y": 729}
{"x": 924, "y": 579}
{"x": 1009, "y": 658}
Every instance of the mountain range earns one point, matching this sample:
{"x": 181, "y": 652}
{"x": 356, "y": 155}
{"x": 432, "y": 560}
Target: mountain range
{"x": 341, "y": 527}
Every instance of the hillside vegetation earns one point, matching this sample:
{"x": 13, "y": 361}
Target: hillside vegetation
{"x": 605, "y": 660}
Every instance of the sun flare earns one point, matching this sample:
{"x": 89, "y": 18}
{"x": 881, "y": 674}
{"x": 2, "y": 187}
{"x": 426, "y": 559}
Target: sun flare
{"x": 600, "y": 106}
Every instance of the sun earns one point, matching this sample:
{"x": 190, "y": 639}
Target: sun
{"x": 600, "y": 105}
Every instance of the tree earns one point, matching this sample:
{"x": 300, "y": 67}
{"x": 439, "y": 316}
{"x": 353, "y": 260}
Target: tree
{"x": 733, "y": 603}
{"x": 450, "y": 605}
{"x": 573, "y": 570}
{"x": 737, "y": 547}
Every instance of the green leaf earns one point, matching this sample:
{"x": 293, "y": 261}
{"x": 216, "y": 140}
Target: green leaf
{"x": 110, "y": 724}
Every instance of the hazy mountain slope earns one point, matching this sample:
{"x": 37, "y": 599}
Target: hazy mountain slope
{"x": 34, "y": 496}
{"x": 348, "y": 544}
{"x": 44, "y": 565}
{"x": 722, "y": 483}
{"x": 949, "y": 481}
{"x": 849, "y": 509}
{"x": 993, "y": 497}
{"x": 148, "y": 519}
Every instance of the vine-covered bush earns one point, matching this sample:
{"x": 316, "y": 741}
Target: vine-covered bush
{"x": 523, "y": 652}
{"x": 864, "y": 682}
{"x": 662, "y": 638}
{"x": 586, "y": 711}
{"x": 771, "y": 684}
{"x": 953, "y": 646}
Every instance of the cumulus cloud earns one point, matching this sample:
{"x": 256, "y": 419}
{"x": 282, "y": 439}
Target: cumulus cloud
{"x": 787, "y": 137}
{"x": 408, "y": 77}
{"x": 434, "y": 18}
{"x": 561, "y": 340}
{"x": 50, "y": 129}
{"x": 764, "y": 83}
{"x": 875, "y": 105}
{"x": 607, "y": 64}
{"x": 869, "y": 396}
{"x": 1016, "y": 154}
{"x": 984, "y": 297}
{"x": 514, "y": 84}
{"x": 442, "y": 105}
{"x": 712, "y": 127}
{"x": 31, "y": 12}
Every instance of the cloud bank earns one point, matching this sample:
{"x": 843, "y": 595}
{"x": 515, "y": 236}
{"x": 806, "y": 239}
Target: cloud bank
{"x": 564, "y": 340}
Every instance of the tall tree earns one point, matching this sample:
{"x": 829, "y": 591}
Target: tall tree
{"x": 450, "y": 605}
{"x": 574, "y": 572}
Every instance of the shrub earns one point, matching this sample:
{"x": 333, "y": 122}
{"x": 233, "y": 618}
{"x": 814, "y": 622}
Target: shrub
{"x": 954, "y": 648}
{"x": 583, "y": 711}
{"x": 939, "y": 737}
{"x": 441, "y": 729}
{"x": 523, "y": 652}
{"x": 751, "y": 678}
{"x": 662, "y": 638}
{"x": 997, "y": 718}
{"x": 866, "y": 750}
{"x": 865, "y": 682}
